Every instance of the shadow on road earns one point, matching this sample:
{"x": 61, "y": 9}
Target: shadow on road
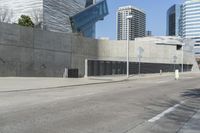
{"x": 190, "y": 96}
{"x": 191, "y": 93}
{"x": 182, "y": 113}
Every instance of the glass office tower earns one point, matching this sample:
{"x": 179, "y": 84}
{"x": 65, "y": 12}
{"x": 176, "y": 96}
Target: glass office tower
{"x": 59, "y": 15}
{"x": 85, "y": 20}
{"x": 184, "y": 20}
{"x": 191, "y": 23}
{"x": 173, "y": 21}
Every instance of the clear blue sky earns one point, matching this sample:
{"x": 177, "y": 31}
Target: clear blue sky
{"x": 155, "y": 12}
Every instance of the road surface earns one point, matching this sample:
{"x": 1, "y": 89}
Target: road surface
{"x": 152, "y": 105}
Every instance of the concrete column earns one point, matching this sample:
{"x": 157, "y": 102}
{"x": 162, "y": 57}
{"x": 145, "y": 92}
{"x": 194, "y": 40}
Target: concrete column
{"x": 86, "y": 68}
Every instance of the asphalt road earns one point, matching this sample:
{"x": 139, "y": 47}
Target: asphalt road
{"x": 156, "y": 105}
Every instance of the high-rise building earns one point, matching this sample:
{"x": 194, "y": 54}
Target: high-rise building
{"x": 191, "y": 22}
{"x": 137, "y": 24}
{"x": 184, "y": 20}
{"x": 60, "y": 15}
{"x": 173, "y": 20}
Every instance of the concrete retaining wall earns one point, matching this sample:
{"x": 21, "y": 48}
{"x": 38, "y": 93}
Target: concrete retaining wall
{"x": 33, "y": 52}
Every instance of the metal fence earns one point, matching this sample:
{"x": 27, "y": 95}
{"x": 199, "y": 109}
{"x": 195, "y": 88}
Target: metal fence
{"x": 100, "y": 67}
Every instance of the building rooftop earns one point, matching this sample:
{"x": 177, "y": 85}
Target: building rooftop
{"x": 167, "y": 40}
{"x": 130, "y": 7}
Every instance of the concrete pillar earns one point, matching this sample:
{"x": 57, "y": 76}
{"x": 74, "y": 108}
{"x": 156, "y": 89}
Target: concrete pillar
{"x": 86, "y": 68}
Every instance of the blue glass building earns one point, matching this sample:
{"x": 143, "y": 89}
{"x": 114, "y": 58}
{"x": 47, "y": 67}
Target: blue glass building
{"x": 84, "y": 21}
{"x": 184, "y": 20}
{"x": 66, "y": 16}
{"x": 173, "y": 21}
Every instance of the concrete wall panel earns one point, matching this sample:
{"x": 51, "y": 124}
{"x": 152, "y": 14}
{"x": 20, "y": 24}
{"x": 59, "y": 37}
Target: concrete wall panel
{"x": 33, "y": 52}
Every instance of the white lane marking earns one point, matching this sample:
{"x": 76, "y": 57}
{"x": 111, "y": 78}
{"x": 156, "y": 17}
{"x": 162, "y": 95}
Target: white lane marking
{"x": 165, "y": 112}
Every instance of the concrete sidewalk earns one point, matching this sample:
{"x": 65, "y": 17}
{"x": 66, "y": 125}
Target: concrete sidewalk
{"x": 193, "y": 125}
{"x": 8, "y": 84}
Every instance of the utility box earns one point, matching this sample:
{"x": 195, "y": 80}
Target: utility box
{"x": 70, "y": 73}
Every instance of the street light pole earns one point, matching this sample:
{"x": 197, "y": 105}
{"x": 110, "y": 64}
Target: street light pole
{"x": 182, "y": 56}
{"x": 127, "y": 44}
{"x": 127, "y": 49}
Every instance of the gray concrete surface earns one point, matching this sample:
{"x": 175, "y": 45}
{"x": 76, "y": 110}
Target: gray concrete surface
{"x": 9, "y": 84}
{"x": 193, "y": 124}
{"x": 33, "y": 52}
{"x": 122, "y": 107}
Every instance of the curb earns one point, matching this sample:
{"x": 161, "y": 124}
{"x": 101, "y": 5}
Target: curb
{"x": 87, "y": 84}
{"x": 60, "y": 87}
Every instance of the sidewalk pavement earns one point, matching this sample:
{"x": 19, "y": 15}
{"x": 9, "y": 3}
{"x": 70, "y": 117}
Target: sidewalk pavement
{"x": 193, "y": 125}
{"x": 9, "y": 84}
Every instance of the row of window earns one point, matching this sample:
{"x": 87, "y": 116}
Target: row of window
{"x": 191, "y": 4}
{"x": 196, "y": 20}
{"x": 193, "y": 31}
{"x": 191, "y": 17}
{"x": 190, "y": 24}
{"x": 192, "y": 10}
{"x": 191, "y": 7}
{"x": 196, "y": 13}
{"x": 196, "y": 27}
{"x": 192, "y": 35}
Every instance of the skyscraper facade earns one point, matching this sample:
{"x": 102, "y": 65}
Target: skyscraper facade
{"x": 60, "y": 15}
{"x": 184, "y": 20}
{"x": 173, "y": 20}
{"x": 137, "y": 24}
{"x": 191, "y": 22}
